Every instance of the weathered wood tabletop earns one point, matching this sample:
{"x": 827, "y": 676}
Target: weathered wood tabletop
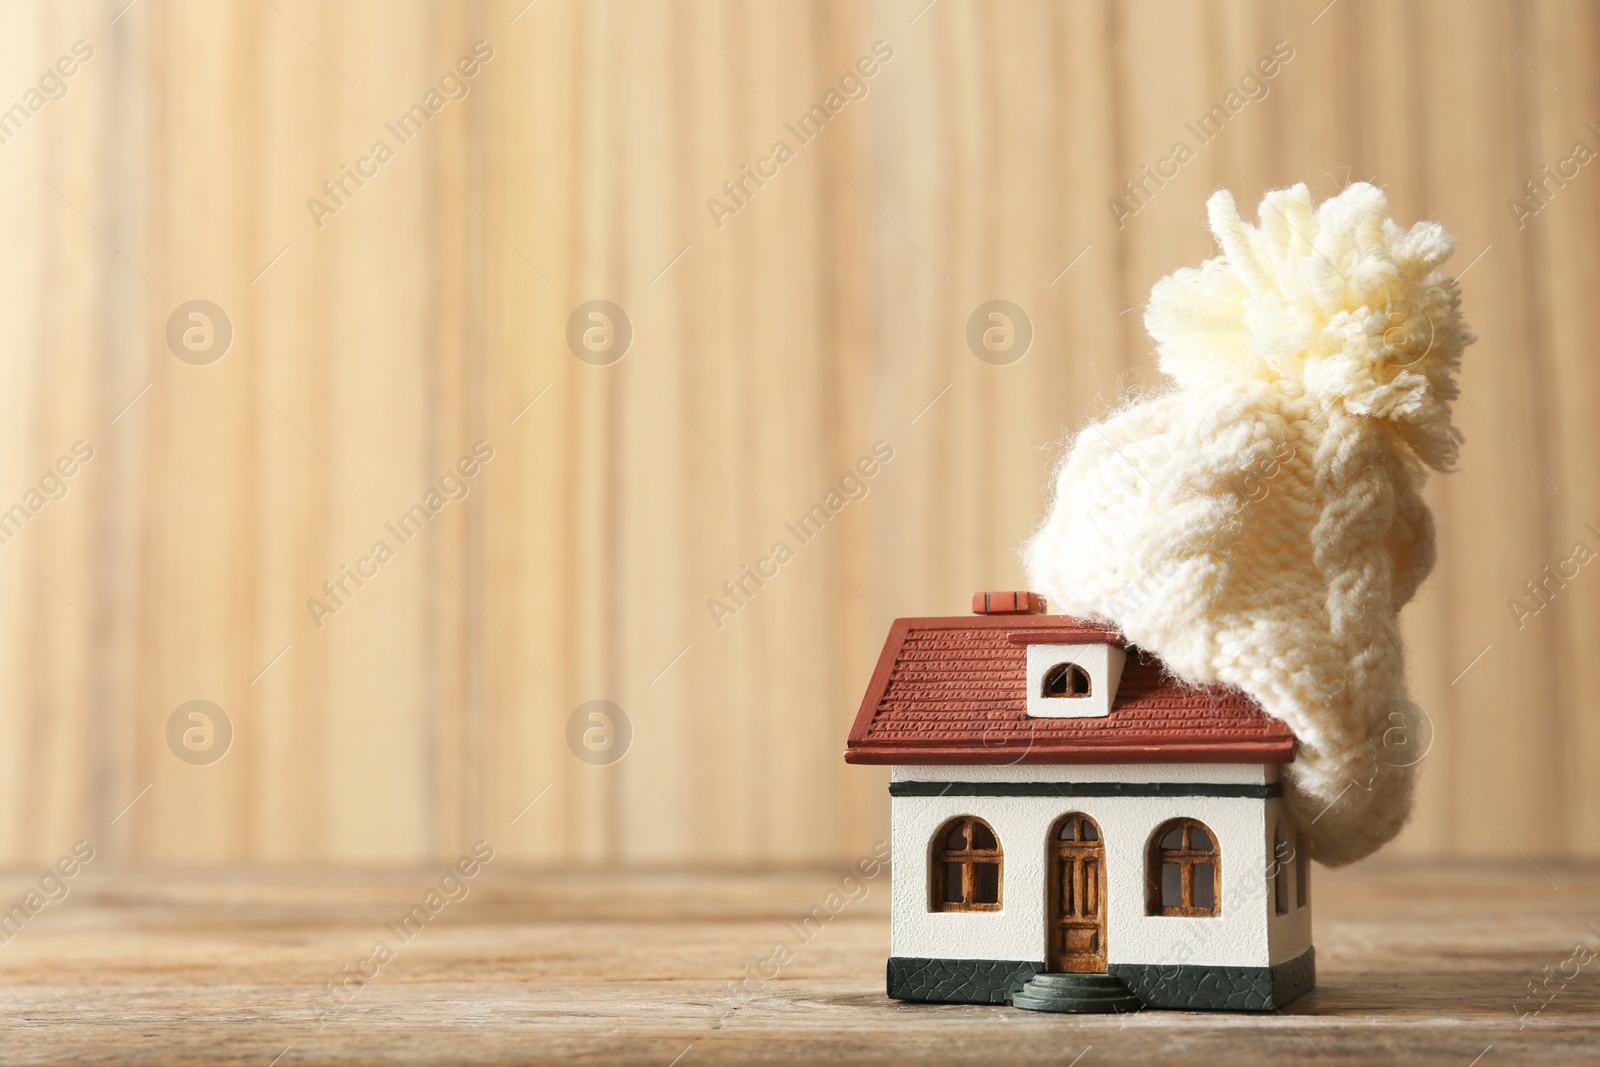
{"x": 1419, "y": 965}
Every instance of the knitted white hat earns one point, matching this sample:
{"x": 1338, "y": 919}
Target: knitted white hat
{"x": 1260, "y": 523}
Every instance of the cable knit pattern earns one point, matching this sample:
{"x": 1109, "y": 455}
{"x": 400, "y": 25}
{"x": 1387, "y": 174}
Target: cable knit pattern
{"x": 1260, "y": 522}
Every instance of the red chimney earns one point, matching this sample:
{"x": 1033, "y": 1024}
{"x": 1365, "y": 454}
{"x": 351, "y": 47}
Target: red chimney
{"x": 1012, "y": 603}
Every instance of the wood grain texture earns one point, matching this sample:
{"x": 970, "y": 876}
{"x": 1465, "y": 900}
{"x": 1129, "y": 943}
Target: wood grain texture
{"x": 373, "y": 346}
{"x": 1416, "y": 965}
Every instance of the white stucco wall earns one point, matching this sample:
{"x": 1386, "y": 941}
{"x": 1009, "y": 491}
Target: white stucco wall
{"x": 1245, "y": 934}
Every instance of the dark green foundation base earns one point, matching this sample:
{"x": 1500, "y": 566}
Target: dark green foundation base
{"x": 1219, "y": 988}
{"x": 1175, "y": 986}
{"x": 934, "y": 981}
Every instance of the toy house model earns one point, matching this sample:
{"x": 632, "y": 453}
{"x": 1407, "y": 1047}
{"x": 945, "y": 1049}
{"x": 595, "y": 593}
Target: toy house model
{"x": 1075, "y": 830}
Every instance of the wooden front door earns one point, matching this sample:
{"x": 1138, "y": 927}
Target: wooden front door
{"x": 1077, "y": 906}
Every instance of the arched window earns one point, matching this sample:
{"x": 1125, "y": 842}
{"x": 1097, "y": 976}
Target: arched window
{"x": 966, "y": 868}
{"x": 1280, "y": 869}
{"x": 1066, "y": 680}
{"x": 1185, "y": 875}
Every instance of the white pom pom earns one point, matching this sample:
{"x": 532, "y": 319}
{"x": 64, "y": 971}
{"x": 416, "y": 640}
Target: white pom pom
{"x": 1339, "y": 299}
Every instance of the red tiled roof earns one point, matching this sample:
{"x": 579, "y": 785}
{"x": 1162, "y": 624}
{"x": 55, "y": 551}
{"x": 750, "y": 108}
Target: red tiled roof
{"x": 954, "y": 691}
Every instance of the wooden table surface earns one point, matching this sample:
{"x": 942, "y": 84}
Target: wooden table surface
{"x": 1420, "y": 965}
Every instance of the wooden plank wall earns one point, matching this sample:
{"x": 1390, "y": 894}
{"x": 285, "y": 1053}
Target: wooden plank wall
{"x": 772, "y": 347}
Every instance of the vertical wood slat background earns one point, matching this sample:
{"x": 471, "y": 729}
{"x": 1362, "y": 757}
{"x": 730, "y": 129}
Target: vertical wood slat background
{"x": 825, "y": 315}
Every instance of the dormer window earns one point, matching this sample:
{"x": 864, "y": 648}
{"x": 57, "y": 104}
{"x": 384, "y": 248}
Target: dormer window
{"x": 1066, "y": 680}
{"x": 1073, "y": 680}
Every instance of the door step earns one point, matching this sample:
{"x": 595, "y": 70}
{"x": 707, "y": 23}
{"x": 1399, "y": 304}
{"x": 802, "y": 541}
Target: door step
{"x": 1076, "y": 993}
